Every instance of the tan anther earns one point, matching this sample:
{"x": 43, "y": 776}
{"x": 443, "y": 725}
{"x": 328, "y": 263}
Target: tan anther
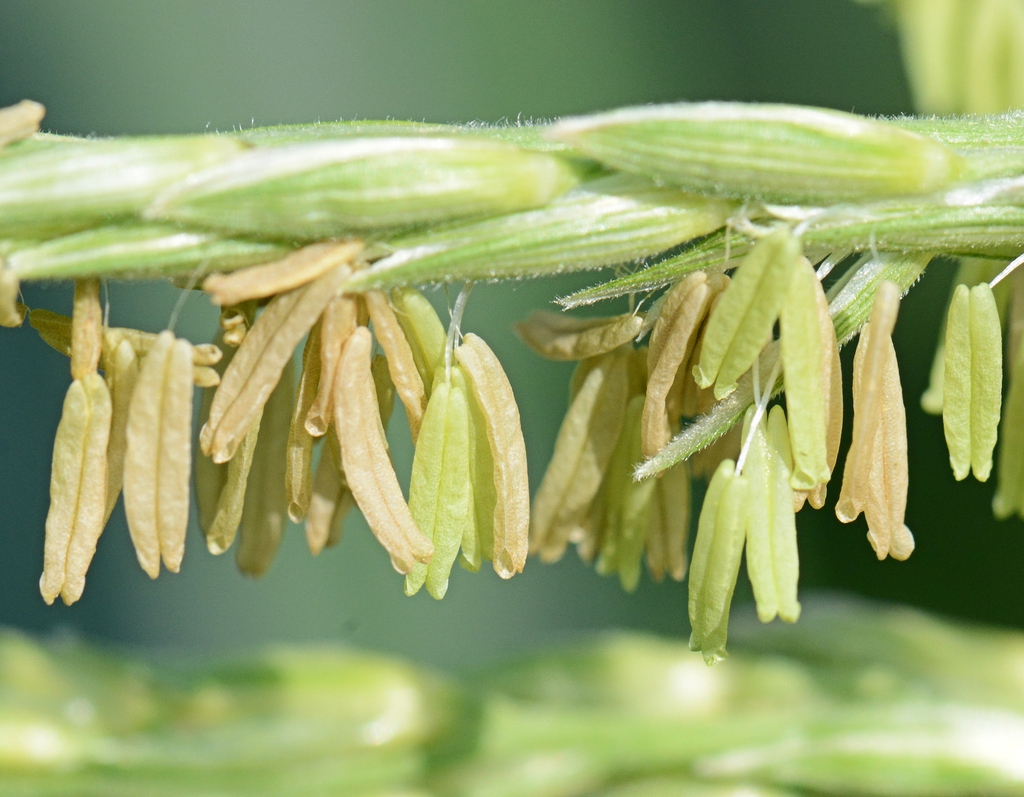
{"x": 671, "y": 346}
{"x": 875, "y": 478}
{"x": 220, "y": 529}
{"x": 257, "y": 365}
{"x": 122, "y": 371}
{"x": 337, "y": 323}
{"x": 86, "y": 328}
{"x": 672, "y": 513}
{"x": 691, "y": 399}
{"x": 78, "y": 489}
{"x": 158, "y": 455}
{"x": 264, "y": 515}
{"x": 401, "y": 362}
{"x": 559, "y": 336}
{"x": 365, "y": 459}
{"x": 293, "y": 271}
{"x": 299, "y": 457}
{"x": 235, "y": 321}
{"x": 20, "y": 121}
{"x": 497, "y": 404}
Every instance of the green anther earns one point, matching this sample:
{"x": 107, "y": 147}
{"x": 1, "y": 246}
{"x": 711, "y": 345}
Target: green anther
{"x": 775, "y": 153}
{"x": 772, "y": 559}
{"x": 973, "y": 380}
{"x": 137, "y": 250}
{"x": 741, "y": 324}
{"x": 57, "y": 187}
{"x": 328, "y": 188}
{"x": 478, "y": 538}
{"x": 424, "y": 331}
{"x": 716, "y": 560}
{"x": 604, "y": 222}
{"x": 802, "y": 365}
{"x": 440, "y": 490}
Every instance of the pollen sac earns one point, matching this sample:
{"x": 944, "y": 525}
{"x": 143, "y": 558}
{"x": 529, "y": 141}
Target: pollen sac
{"x": 12, "y": 312}
{"x": 875, "y": 479}
{"x": 673, "y": 340}
{"x": 401, "y": 361}
{"x": 803, "y": 360}
{"x": 440, "y": 490}
{"x": 777, "y": 153}
{"x": 583, "y": 449}
{"x": 741, "y": 324}
{"x": 973, "y": 379}
{"x": 670, "y": 524}
{"x": 299, "y": 453}
{"x": 772, "y": 558}
{"x": 336, "y": 324}
{"x": 497, "y": 425}
{"x": 364, "y": 455}
{"x": 330, "y": 188}
{"x": 717, "y": 552}
{"x": 78, "y": 489}
{"x": 158, "y": 455}
{"x": 330, "y": 502}
{"x": 122, "y": 372}
{"x": 558, "y": 336}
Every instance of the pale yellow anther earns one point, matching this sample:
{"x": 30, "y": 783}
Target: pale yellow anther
{"x": 298, "y": 476}
{"x": 158, "y": 455}
{"x": 493, "y": 397}
{"x": 78, "y": 489}
{"x": 293, "y": 271}
{"x": 400, "y": 359}
{"x": 365, "y": 459}
{"x": 559, "y": 336}
{"x": 122, "y": 371}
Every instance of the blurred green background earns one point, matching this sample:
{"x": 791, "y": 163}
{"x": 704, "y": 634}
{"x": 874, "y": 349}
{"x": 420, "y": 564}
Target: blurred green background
{"x": 111, "y": 67}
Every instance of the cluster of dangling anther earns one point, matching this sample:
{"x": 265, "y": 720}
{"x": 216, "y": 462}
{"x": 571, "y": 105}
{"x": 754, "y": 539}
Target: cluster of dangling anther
{"x": 469, "y": 494}
{"x": 711, "y": 335}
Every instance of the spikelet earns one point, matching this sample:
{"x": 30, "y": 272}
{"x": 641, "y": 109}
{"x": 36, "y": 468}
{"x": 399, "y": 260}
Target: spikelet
{"x": 772, "y": 559}
{"x": 158, "y": 455}
{"x": 440, "y": 490}
{"x": 336, "y": 324}
{"x": 492, "y": 397}
{"x": 973, "y": 380}
{"x": 583, "y": 448}
{"x": 558, "y": 336}
{"x": 673, "y": 339}
{"x": 290, "y": 272}
{"x": 400, "y": 359}
{"x": 717, "y": 553}
{"x": 257, "y": 366}
{"x": 875, "y": 477}
{"x": 370, "y": 475}
{"x": 78, "y": 489}
{"x": 741, "y": 324}
{"x": 802, "y": 361}
{"x": 265, "y": 509}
